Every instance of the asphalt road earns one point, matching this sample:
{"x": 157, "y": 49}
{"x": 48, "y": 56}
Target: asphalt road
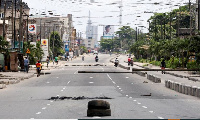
{"x": 29, "y": 99}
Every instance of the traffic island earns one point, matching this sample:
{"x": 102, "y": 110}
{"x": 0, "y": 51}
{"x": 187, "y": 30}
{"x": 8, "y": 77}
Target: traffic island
{"x": 2, "y": 86}
{"x": 98, "y": 108}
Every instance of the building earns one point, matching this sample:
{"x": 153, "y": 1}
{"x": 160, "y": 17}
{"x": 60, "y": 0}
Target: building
{"x": 91, "y": 41}
{"x": 9, "y": 14}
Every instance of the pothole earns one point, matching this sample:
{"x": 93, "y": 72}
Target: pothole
{"x": 76, "y": 98}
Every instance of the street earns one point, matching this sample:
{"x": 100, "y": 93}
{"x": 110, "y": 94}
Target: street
{"x": 131, "y": 98}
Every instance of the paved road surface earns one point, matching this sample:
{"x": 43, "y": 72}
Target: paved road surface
{"x": 28, "y": 99}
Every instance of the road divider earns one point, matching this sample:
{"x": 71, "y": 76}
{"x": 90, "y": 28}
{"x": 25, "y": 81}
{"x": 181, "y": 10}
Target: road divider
{"x": 153, "y": 78}
{"x": 183, "y": 88}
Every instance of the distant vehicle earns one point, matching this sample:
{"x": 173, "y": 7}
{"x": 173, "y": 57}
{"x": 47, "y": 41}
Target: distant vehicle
{"x": 95, "y": 52}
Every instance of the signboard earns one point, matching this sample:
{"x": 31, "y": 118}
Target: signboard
{"x": 32, "y": 28}
{"x": 28, "y": 51}
{"x": 108, "y": 31}
{"x": 66, "y": 48}
{"x": 45, "y": 47}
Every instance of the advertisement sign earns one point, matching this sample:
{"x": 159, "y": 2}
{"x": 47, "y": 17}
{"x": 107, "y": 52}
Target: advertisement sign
{"x": 44, "y": 45}
{"x": 32, "y": 28}
{"x": 66, "y": 48}
{"x": 108, "y": 31}
{"x": 17, "y": 45}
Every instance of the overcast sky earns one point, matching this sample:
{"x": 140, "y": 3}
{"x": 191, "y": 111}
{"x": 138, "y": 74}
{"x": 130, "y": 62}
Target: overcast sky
{"x": 105, "y": 12}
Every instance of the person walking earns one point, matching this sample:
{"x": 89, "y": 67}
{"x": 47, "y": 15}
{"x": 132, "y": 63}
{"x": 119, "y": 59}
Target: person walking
{"x": 56, "y": 60}
{"x": 26, "y": 64}
{"x": 47, "y": 60}
{"x": 163, "y": 65}
{"x": 38, "y": 68}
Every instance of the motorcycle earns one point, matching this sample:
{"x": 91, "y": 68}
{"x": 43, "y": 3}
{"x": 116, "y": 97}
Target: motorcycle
{"x": 96, "y": 59}
{"x": 116, "y": 64}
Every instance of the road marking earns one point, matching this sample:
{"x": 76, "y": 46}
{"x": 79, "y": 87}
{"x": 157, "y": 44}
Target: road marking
{"x": 126, "y": 95}
{"x": 48, "y": 104}
{"x": 114, "y": 82}
{"x": 117, "y": 86}
{"x": 127, "y": 77}
{"x": 32, "y": 118}
{"x": 130, "y": 97}
{"x": 109, "y": 77}
{"x": 91, "y": 77}
{"x": 138, "y": 103}
{"x": 51, "y": 101}
{"x": 132, "y": 83}
{"x": 96, "y": 117}
{"x": 144, "y": 106}
{"x": 62, "y": 90}
{"x": 48, "y": 82}
{"x": 91, "y": 82}
{"x": 151, "y": 111}
{"x": 38, "y": 113}
{"x": 134, "y": 100}
{"x": 120, "y": 88}
{"x": 68, "y": 82}
{"x": 44, "y": 108}
{"x": 160, "y": 117}
{"x": 57, "y": 77}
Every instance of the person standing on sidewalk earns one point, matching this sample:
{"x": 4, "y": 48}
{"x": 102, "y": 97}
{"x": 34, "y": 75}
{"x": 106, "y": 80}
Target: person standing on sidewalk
{"x": 26, "y": 64}
{"x": 163, "y": 65}
{"x": 83, "y": 58}
{"x": 56, "y": 60}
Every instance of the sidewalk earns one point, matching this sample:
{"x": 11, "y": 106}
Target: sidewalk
{"x": 180, "y": 81}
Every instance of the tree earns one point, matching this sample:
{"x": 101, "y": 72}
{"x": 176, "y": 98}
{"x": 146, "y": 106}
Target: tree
{"x": 3, "y": 45}
{"x": 58, "y": 44}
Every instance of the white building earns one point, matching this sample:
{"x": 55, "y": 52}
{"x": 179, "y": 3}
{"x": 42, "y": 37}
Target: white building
{"x": 91, "y": 41}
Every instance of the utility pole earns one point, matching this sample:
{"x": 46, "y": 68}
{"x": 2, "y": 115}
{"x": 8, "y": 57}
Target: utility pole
{"x": 12, "y": 23}
{"x": 199, "y": 15}
{"x": 161, "y": 29}
{"x": 15, "y": 24}
{"x": 155, "y": 29}
{"x": 4, "y": 20}
{"x": 190, "y": 18}
{"x": 40, "y": 30}
{"x": 136, "y": 35}
{"x": 20, "y": 26}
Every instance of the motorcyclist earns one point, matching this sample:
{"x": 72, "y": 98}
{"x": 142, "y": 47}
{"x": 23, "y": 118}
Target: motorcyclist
{"x": 129, "y": 60}
{"x": 116, "y": 62}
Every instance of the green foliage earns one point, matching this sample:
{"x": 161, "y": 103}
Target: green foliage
{"x": 58, "y": 44}
{"x": 193, "y": 65}
{"x": 3, "y": 45}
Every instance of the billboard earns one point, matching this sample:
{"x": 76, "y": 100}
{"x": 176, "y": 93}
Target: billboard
{"x": 44, "y": 45}
{"x": 32, "y": 28}
{"x": 108, "y": 31}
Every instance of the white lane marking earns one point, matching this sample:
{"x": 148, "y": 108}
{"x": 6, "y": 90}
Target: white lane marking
{"x": 127, "y": 77}
{"x": 151, "y": 111}
{"x": 68, "y": 82}
{"x": 160, "y": 117}
{"x": 48, "y": 82}
{"x": 109, "y": 77}
{"x": 91, "y": 77}
{"x": 132, "y": 83}
{"x": 78, "y": 69}
{"x": 130, "y": 97}
{"x": 134, "y": 100}
{"x": 38, "y": 113}
{"x": 138, "y": 103}
{"x": 126, "y": 95}
{"x": 114, "y": 83}
{"x": 44, "y": 108}
{"x": 32, "y": 118}
{"x": 117, "y": 86}
{"x": 91, "y": 82}
{"x": 57, "y": 77}
{"x": 120, "y": 88}
{"x": 48, "y": 104}
{"x": 62, "y": 90}
{"x": 51, "y": 101}
{"x": 144, "y": 106}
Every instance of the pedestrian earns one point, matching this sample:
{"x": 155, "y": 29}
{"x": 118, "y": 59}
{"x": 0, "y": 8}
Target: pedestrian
{"x": 83, "y": 58}
{"x": 26, "y": 64}
{"x": 56, "y": 60}
{"x": 129, "y": 60}
{"x": 163, "y": 65}
{"x": 47, "y": 60}
{"x": 38, "y": 68}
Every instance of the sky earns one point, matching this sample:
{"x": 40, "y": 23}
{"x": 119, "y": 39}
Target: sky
{"x": 135, "y": 13}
